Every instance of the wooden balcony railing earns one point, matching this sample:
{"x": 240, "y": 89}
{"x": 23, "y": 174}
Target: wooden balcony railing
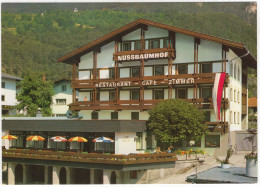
{"x": 137, "y": 105}
{"x": 90, "y": 157}
{"x": 217, "y": 126}
{"x": 201, "y": 78}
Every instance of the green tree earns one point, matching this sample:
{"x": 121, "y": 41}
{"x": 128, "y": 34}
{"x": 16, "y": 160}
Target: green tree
{"x": 35, "y": 93}
{"x": 176, "y": 120}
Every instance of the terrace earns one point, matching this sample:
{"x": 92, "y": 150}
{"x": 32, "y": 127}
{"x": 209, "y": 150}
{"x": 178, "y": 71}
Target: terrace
{"x": 105, "y": 161}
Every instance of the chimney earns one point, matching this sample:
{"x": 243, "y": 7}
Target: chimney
{"x": 44, "y": 78}
{"x": 39, "y": 113}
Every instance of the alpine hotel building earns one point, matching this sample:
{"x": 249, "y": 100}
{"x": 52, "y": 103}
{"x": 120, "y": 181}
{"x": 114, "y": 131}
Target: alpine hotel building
{"x": 116, "y": 80}
{"x": 124, "y": 73}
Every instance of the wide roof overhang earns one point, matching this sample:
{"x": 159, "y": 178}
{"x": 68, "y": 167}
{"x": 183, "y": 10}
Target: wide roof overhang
{"x": 75, "y": 55}
{"x": 65, "y": 125}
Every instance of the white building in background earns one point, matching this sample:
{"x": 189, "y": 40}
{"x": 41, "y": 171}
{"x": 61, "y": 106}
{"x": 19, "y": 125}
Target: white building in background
{"x": 62, "y": 97}
{"x": 8, "y": 93}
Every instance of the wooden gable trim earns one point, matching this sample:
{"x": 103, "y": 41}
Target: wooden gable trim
{"x": 136, "y": 25}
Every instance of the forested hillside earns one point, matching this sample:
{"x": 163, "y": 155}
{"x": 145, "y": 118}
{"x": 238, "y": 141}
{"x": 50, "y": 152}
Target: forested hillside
{"x": 33, "y": 39}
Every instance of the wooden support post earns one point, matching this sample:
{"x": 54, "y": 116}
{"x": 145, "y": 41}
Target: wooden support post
{"x": 74, "y": 71}
{"x": 117, "y": 95}
{"x": 225, "y": 61}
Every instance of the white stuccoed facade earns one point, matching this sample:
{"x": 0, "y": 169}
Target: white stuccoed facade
{"x": 9, "y": 92}
{"x": 208, "y": 52}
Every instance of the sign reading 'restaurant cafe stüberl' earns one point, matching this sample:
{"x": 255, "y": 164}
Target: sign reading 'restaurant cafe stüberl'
{"x": 144, "y": 83}
{"x": 143, "y": 56}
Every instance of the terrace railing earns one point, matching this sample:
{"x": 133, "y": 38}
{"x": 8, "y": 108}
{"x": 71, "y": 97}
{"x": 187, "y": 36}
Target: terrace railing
{"x": 91, "y": 157}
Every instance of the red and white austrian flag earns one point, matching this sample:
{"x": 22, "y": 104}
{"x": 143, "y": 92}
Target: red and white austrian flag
{"x": 217, "y": 93}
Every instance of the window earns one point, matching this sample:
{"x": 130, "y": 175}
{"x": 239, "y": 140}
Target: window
{"x": 112, "y": 96}
{"x": 238, "y": 117}
{"x": 235, "y": 118}
{"x": 206, "y": 93}
{"x": 231, "y": 69}
{"x": 158, "y": 70}
{"x": 133, "y": 174}
{"x": 231, "y": 94}
{"x": 135, "y": 72}
{"x": 64, "y": 88}
{"x": 137, "y": 45}
{"x": 135, "y": 94}
{"x": 3, "y": 84}
{"x": 166, "y": 42}
{"x": 238, "y": 73}
{"x": 61, "y": 101}
{"x": 135, "y": 115}
{"x": 155, "y": 43}
{"x": 238, "y": 97}
{"x": 235, "y": 71}
{"x": 114, "y": 115}
{"x": 112, "y": 73}
{"x": 212, "y": 141}
{"x": 235, "y": 95}
{"x": 139, "y": 140}
{"x": 94, "y": 115}
{"x": 126, "y": 46}
{"x": 149, "y": 140}
{"x": 206, "y": 68}
{"x": 181, "y": 93}
{"x": 159, "y": 94}
{"x": 3, "y": 97}
{"x": 182, "y": 69}
{"x": 207, "y": 116}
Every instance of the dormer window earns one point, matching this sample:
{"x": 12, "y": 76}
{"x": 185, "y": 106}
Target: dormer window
{"x": 137, "y": 45}
{"x": 206, "y": 68}
{"x": 126, "y": 46}
{"x": 155, "y": 44}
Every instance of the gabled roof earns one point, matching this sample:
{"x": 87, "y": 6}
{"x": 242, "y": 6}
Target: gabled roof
{"x": 252, "y": 102}
{"x": 8, "y": 76}
{"x": 74, "y": 56}
{"x": 62, "y": 80}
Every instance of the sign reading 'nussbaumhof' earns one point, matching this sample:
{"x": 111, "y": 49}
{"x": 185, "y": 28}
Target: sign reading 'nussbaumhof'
{"x": 143, "y": 56}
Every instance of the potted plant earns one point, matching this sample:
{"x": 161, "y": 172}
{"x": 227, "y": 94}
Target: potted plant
{"x": 225, "y": 164}
{"x": 251, "y": 158}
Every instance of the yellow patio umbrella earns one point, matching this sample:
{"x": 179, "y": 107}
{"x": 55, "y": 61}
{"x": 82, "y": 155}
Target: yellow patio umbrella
{"x": 35, "y": 138}
{"x": 78, "y": 139}
{"x": 9, "y": 137}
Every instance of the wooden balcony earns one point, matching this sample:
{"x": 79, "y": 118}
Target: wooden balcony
{"x": 218, "y": 127}
{"x": 202, "y": 78}
{"x": 91, "y": 158}
{"x": 138, "y": 105}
